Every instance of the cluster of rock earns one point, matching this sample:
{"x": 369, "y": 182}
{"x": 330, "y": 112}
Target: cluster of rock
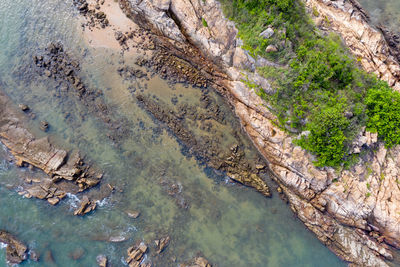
{"x": 93, "y": 17}
{"x": 162, "y": 243}
{"x": 57, "y": 64}
{"x": 354, "y": 212}
{"x": 86, "y": 206}
{"x": 135, "y": 256}
{"x": 16, "y": 251}
{"x": 67, "y": 172}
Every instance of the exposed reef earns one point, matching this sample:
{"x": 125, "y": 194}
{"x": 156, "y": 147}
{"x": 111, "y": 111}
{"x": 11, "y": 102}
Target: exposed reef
{"x": 67, "y": 172}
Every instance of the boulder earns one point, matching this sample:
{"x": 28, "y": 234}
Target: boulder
{"x": 101, "y": 260}
{"x": 268, "y": 33}
{"x": 136, "y": 254}
{"x": 271, "y": 48}
{"x": 134, "y": 214}
{"x": 16, "y": 251}
{"x": 162, "y": 243}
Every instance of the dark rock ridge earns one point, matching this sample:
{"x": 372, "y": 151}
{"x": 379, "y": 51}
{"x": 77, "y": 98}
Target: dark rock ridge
{"x": 57, "y": 64}
{"x": 208, "y": 149}
{"x": 67, "y": 172}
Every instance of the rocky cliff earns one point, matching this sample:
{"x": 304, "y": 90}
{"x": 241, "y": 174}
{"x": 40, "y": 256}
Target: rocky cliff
{"x": 354, "y": 212}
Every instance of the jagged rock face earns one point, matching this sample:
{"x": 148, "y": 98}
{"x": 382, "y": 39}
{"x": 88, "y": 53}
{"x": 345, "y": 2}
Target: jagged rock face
{"x": 351, "y": 211}
{"x": 183, "y": 20}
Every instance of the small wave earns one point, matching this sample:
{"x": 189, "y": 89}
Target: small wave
{"x": 103, "y": 202}
{"x": 73, "y": 201}
{"x": 123, "y": 261}
{"x": 3, "y": 245}
{"x": 180, "y": 187}
{"x": 132, "y": 229}
{"x": 144, "y": 258}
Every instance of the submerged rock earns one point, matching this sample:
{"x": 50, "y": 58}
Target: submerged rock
{"x": 16, "y": 251}
{"x": 24, "y": 107}
{"x": 197, "y": 262}
{"x": 44, "y": 126}
{"x": 133, "y": 214}
{"x": 162, "y": 243}
{"x": 77, "y": 254}
{"x": 101, "y": 260}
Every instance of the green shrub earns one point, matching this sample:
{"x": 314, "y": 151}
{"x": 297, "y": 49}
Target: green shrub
{"x": 204, "y": 22}
{"x": 320, "y": 88}
{"x": 383, "y": 110}
{"x": 327, "y": 139}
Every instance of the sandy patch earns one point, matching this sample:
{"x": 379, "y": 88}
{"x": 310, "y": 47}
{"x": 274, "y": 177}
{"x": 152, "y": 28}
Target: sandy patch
{"x": 105, "y": 38}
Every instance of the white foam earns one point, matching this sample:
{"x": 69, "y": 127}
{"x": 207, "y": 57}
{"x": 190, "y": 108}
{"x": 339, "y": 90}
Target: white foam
{"x": 3, "y": 245}
{"x": 123, "y": 261}
{"x": 103, "y": 202}
{"x": 73, "y": 201}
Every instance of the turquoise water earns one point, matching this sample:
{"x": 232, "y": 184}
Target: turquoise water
{"x": 384, "y": 12}
{"x": 229, "y": 224}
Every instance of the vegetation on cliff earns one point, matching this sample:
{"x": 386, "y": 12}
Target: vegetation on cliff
{"x": 321, "y": 91}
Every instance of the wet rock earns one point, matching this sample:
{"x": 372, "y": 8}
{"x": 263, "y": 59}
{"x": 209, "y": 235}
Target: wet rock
{"x": 291, "y": 165}
{"x": 260, "y": 167}
{"x": 53, "y": 201}
{"x": 44, "y": 126}
{"x": 60, "y": 165}
{"x": 101, "y": 260}
{"x": 117, "y": 239}
{"x": 133, "y": 214}
{"x": 162, "y": 243}
{"x": 24, "y": 107}
{"x": 16, "y": 251}
{"x": 135, "y": 255}
{"x": 38, "y": 192}
{"x": 33, "y": 256}
{"x": 86, "y": 206}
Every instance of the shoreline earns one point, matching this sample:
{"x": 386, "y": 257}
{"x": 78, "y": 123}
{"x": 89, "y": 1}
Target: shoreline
{"x": 314, "y": 197}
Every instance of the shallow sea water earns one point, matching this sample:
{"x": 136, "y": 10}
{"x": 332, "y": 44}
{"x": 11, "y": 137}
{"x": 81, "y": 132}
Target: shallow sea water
{"x": 229, "y": 224}
{"x": 384, "y": 12}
